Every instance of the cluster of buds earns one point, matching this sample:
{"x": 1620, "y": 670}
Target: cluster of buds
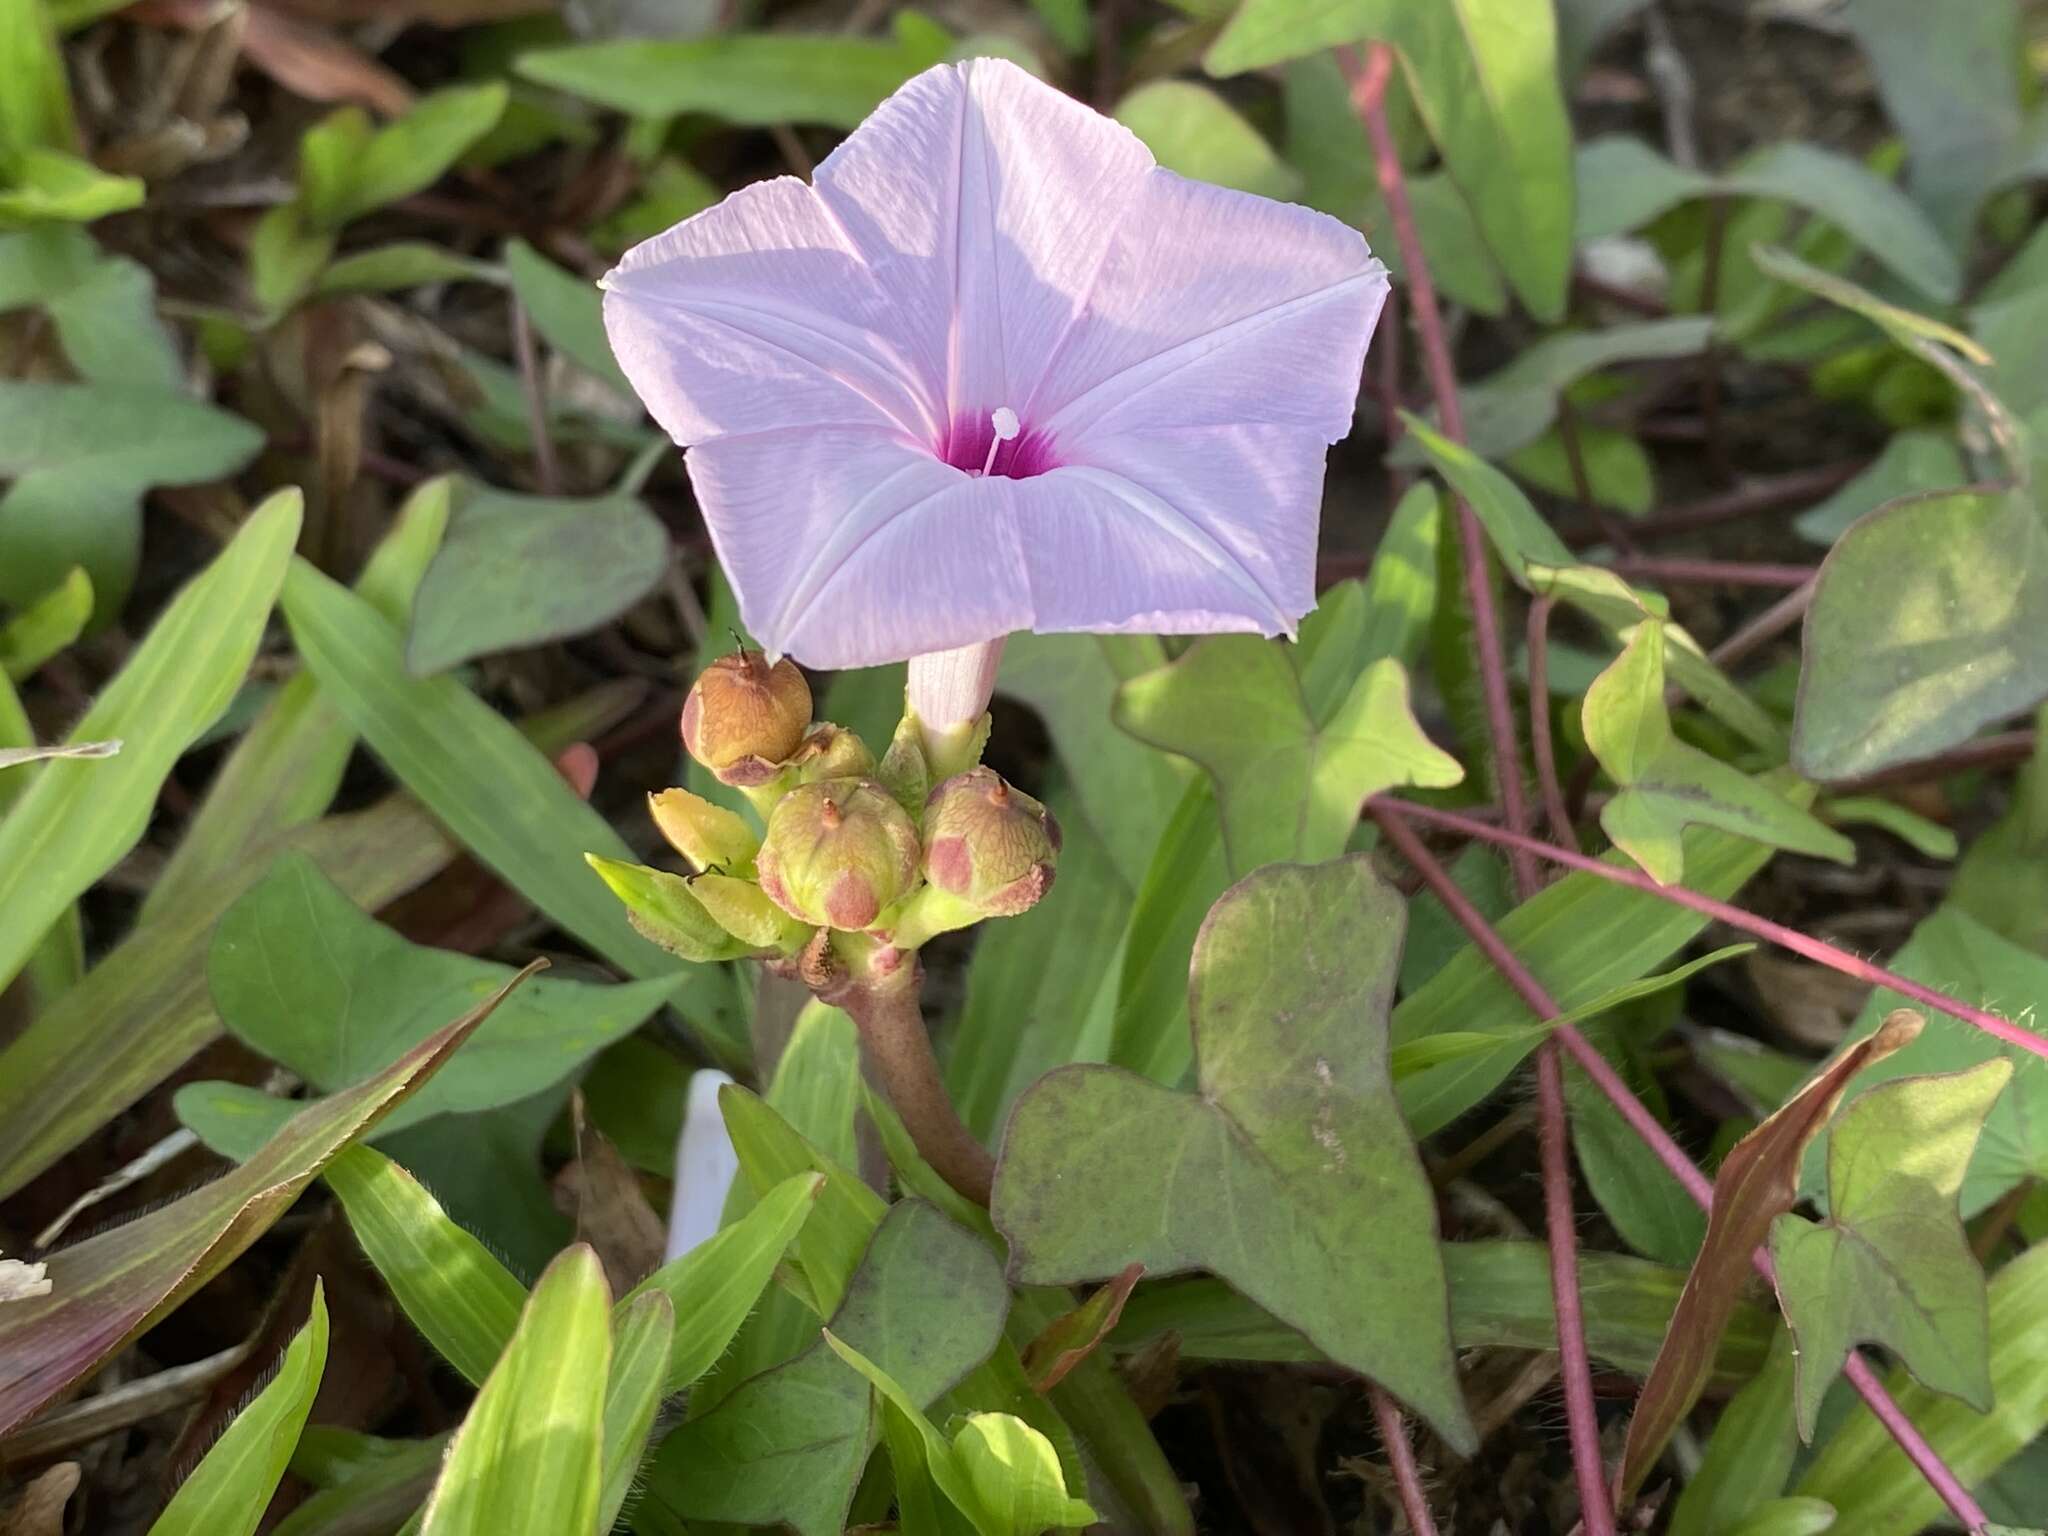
{"x": 857, "y": 862}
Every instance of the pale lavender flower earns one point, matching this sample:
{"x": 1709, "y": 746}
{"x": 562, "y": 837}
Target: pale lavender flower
{"x": 998, "y": 370}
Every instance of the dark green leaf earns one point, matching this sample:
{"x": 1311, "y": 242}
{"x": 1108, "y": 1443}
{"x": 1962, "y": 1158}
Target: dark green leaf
{"x": 926, "y": 1305}
{"x": 1261, "y": 1176}
{"x": 517, "y": 571}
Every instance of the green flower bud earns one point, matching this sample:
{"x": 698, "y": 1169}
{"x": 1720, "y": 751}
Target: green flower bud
{"x": 708, "y": 835}
{"x": 743, "y": 718}
{"x": 833, "y": 752}
{"x": 838, "y": 853}
{"x": 987, "y": 845}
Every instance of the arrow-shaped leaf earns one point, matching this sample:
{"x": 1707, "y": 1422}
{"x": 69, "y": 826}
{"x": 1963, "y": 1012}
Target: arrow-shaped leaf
{"x": 1288, "y": 788}
{"x": 1663, "y": 785}
{"x": 1758, "y": 1181}
{"x": 1290, "y": 1172}
{"x": 1891, "y": 1264}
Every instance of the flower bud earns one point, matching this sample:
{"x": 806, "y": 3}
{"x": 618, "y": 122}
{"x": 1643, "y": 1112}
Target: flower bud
{"x": 838, "y": 853}
{"x": 708, "y": 835}
{"x": 988, "y": 845}
{"x": 744, "y": 718}
{"x": 833, "y": 752}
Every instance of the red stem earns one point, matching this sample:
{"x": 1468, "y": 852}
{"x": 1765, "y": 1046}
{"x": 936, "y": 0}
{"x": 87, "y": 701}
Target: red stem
{"x": 1554, "y": 808}
{"x": 1818, "y": 950}
{"x": 1368, "y": 97}
{"x": 1787, "y": 490}
{"x": 1407, "y": 1477}
{"x": 1390, "y": 814}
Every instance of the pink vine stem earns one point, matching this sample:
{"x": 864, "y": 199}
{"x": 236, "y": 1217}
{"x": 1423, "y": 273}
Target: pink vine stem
{"x": 1401, "y": 1455}
{"x": 1368, "y": 80}
{"x": 1393, "y": 817}
{"x": 1817, "y": 950}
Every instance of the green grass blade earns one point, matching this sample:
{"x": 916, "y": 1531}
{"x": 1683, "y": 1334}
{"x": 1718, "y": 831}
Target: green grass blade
{"x": 643, "y": 1329}
{"x": 230, "y": 1489}
{"x": 457, "y": 1294}
{"x": 528, "y": 1459}
{"x": 715, "y": 1286}
{"x": 470, "y": 766}
{"x": 78, "y": 818}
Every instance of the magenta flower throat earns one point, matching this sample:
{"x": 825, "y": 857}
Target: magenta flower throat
{"x": 997, "y": 370}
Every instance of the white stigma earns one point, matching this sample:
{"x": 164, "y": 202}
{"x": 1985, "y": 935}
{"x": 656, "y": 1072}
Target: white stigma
{"x": 1004, "y": 420}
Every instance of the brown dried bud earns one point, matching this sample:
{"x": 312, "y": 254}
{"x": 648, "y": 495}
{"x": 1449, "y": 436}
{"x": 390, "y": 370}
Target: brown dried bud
{"x": 990, "y": 846}
{"x": 838, "y": 853}
{"x": 743, "y": 718}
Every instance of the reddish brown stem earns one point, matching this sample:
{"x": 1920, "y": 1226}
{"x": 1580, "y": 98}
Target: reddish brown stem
{"x": 899, "y": 1053}
{"x": 1759, "y": 496}
{"x": 1554, "y": 808}
{"x": 1818, "y": 950}
{"x": 1390, "y": 814}
{"x": 1368, "y": 95}
{"x": 1401, "y": 1456}
{"x": 1764, "y": 628}
{"x": 1727, "y": 573}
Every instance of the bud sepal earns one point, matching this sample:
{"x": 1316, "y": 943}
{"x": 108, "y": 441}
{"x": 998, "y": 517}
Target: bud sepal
{"x": 708, "y": 835}
{"x": 832, "y": 752}
{"x": 663, "y": 909}
{"x": 743, "y": 910}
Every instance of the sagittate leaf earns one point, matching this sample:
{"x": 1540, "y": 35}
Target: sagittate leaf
{"x": 348, "y": 169}
{"x": 80, "y": 456}
{"x": 1289, "y": 1172}
{"x": 517, "y": 571}
{"x": 1891, "y": 1265}
{"x": 1949, "y": 85}
{"x": 469, "y": 765}
{"x": 528, "y": 1459}
{"x": 1193, "y": 131}
{"x": 1757, "y": 1182}
{"x": 307, "y": 978}
{"x": 1624, "y": 183}
{"x": 229, "y": 1491}
{"x": 1484, "y": 77}
{"x": 1288, "y": 788}
{"x": 109, "y": 1288}
{"x": 1930, "y": 620}
{"x": 1954, "y": 952}
{"x": 788, "y": 1446}
{"x": 77, "y": 818}
{"x": 457, "y": 1293}
{"x": 752, "y": 80}
{"x": 1910, "y": 463}
{"x": 1664, "y": 785}
{"x": 1862, "y": 1472}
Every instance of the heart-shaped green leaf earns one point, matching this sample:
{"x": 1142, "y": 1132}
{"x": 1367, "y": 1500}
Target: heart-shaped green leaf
{"x": 1289, "y": 1173}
